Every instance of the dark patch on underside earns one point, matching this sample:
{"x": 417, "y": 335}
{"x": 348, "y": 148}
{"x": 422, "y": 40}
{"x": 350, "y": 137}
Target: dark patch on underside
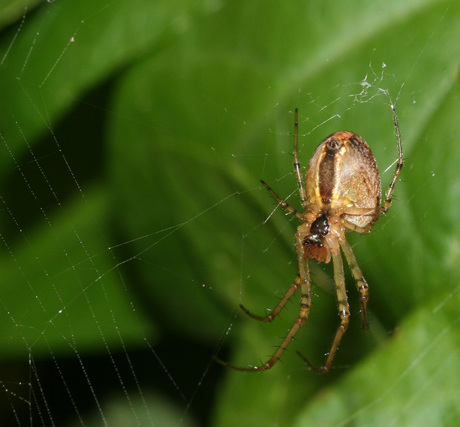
{"x": 327, "y": 174}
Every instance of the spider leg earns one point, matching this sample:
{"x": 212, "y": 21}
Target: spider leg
{"x": 361, "y": 212}
{"x": 361, "y": 283}
{"x": 305, "y": 303}
{"x": 281, "y": 202}
{"x": 387, "y": 204}
{"x": 344, "y": 312}
{"x": 298, "y": 172}
{"x": 361, "y": 230}
{"x": 292, "y": 289}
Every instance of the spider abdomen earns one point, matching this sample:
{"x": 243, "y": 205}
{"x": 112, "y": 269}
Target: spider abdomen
{"x": 343, "y": 174}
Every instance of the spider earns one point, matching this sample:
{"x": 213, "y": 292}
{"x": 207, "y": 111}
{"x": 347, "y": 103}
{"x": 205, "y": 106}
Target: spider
{"x": 342, "y": 193}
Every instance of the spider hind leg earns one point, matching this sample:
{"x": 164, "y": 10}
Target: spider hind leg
{"x": 287, "y": 296}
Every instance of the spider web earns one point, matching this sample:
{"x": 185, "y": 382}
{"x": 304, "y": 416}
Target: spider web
{"x": 133, "y": 221}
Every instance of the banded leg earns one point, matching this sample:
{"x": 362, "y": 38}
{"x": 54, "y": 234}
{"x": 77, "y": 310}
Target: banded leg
{"x": 287, "y": 296}
{"x": 298, "y": 172}
{"x": 350, "y": 226}
{"x": 344, "y": 311}
{"x": 361, "y": 230}
{"x": 361, "y": 283}
{"x": 305, "y": 303}
{"x": 281, "y": 202}
{"x": 399, "y": 164}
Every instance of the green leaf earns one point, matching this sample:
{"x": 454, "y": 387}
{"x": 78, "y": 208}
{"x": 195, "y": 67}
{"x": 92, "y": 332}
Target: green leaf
{"x": 195, "y": 156}
{"x": 14, "y": 10}
{"x": 60, "y": 282}
{"x": 151, "y": 409}
{"x": 66, "y": 48}
{"x": 176, "y": 224}
{"x": 409, "y": 381}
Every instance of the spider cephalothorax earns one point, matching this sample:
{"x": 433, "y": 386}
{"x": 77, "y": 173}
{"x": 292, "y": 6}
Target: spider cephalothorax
{"x": 314, "y": 243}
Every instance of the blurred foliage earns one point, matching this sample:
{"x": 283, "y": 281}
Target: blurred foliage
{"x": 134, "y": 135}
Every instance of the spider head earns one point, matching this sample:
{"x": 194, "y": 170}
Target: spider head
{"x": 314, "y": 243}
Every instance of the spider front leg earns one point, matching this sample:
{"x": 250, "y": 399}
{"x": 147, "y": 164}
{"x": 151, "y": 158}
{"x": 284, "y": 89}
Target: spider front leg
{"x": 344, "y": 312}
{"x": 389, "y": 193}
